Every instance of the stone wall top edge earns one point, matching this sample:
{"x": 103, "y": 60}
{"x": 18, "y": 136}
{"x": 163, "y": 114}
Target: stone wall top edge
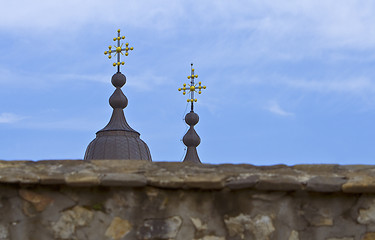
{"x": 325, "y": 178}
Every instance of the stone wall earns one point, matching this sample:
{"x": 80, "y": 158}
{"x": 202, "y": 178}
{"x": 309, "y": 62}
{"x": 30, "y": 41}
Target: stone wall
{"x": 133, "y": 200}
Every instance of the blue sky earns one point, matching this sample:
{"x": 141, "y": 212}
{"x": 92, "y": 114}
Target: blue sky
{"x": 287, "y": 81}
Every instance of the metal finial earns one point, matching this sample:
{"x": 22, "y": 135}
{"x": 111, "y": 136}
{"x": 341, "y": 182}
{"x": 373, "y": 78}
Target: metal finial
{"x": 117, "y": 50}
{"x": 191, "y": 138}
{"x": 192, "y": 87}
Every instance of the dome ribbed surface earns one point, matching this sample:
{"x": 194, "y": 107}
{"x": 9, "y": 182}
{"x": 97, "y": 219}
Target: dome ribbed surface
{"x": 118, "y": 145}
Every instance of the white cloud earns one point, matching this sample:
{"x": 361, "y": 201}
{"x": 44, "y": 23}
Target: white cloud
{"x": 76, "y": 124}
{"x": 72, "y": 14}
{"x": 10, "y": 118}
{"x": 329, "y": 23}
{"x": 145, "y": 81}
{"x": 222, "y": 32}
{"x": 79, "y": 77}
{"x": 275, "y": 108}
{"x": 43, "y": 80}
{"x": 354, "y": 86}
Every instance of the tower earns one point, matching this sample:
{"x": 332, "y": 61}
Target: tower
{"x": 191, "y": 138}
{"x": 118, "y": 140}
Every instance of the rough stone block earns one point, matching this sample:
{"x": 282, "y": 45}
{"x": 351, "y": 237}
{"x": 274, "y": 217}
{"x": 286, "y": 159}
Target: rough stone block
{"x": 162, "y": 228}
{"x": 344, "y": 238}
{"x": 359, "y": 184}
{"x": 199, "y": 226}
{"x": 293, "y": 235}
{"x": 369, "y": 236}
{"x": 118, "y": 228}
{"x": 39, "y": 201}
{"x": 325, "y": 184}
{"x": 82, "y": 179}
{"x": 4, "y": 232}
{"x": 123, "y": 179}
{"x": 242, "y": 181}
{"x": 367, "y": 216}
{"x": 69, "y": 220}
{"x": 261, "y": 226}
{"x": 211, "y": 238}
{"x": 279, "y": 183}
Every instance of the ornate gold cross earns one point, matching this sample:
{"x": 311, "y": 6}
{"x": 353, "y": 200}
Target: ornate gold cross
{"x": 192, "y": 87}
{"x": 117, "y": 50}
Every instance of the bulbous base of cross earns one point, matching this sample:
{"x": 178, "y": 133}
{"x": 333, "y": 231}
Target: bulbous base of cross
{"x": 191, "y": 138}
{"x": 118, "y": 140}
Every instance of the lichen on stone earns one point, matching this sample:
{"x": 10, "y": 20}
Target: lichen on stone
{"x": 118, "y": 228}
{"x": 69, "y": 220}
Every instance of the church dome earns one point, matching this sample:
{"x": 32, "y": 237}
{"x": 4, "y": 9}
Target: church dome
{"x": 118, "y": 140}
{"x": 118, "y": 145}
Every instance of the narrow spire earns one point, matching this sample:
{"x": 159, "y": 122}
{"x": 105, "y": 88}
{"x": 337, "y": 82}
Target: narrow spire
{"x": 191, "y": 138}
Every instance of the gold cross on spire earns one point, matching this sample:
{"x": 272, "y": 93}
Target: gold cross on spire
{"x": 192, "y": 87}
{"x": 117, "y": 50}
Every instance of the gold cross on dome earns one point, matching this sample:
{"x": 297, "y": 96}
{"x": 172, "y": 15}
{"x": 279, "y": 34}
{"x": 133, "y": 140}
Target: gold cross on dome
{"x": 117, "y": 50}
{"x": 192, "y": 87}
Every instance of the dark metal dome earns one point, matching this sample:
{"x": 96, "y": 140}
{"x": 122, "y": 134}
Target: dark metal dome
{"x": 118, "y": 140}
